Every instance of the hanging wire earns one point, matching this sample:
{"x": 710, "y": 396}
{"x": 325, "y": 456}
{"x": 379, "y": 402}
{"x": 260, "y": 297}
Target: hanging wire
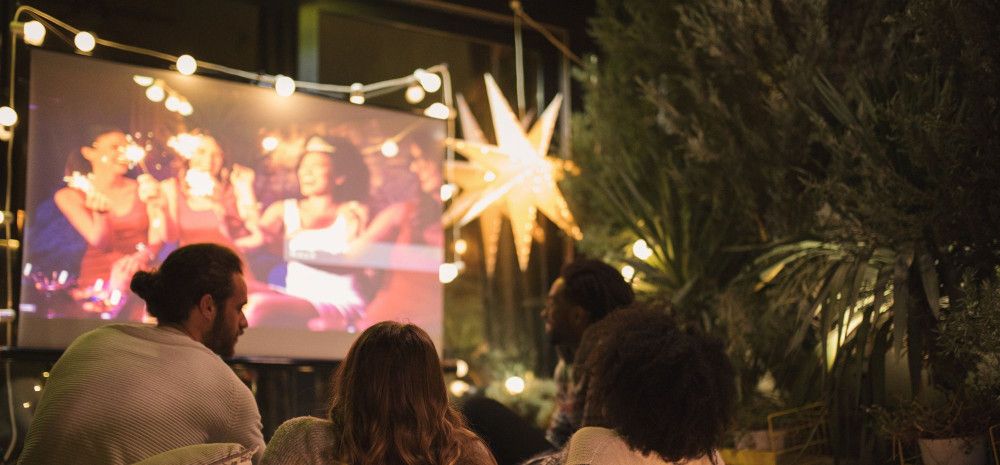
{"x": 519, "y": 12}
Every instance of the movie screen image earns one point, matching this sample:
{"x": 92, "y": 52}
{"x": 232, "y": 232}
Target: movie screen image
{"x": 334, "y": 208}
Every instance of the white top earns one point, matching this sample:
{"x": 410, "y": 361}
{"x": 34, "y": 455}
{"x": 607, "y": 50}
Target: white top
{"x": 601, "y": 446}
{"x": 122, "y": 393}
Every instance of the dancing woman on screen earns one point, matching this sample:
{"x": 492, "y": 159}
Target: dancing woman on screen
{"x": 105, "y": 208}
{"x": 389, "y": 407}
{"x": 327, "y": 218}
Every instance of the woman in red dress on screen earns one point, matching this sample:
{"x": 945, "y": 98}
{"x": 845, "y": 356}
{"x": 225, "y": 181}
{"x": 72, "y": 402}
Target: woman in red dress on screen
{"x": 104, "y": 206}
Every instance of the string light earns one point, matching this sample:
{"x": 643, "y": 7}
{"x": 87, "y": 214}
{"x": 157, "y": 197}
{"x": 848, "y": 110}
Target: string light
{"x": 85, "y": 41}
{"x": 26, "y": 405}
{"x": 461, "y": 368}
{"x": 628, "y": 272}
{"x": 269, "y": 143}
{"x": 429, "y": 81}
{"x": 357, "y": 97}
{"x": 173, "y": 103}
{"x": 438, "y": 110}
{"x": 459, "y": 388}
{"x": 144, "y": 81}
{"x": 447, "y": 272}
{"x": 284, "y": 86}
{"x": 37, "y": 388}
{"x": 489, "y": 176}
{"x": 8, "y": 117}
{"x": 641, "y": 250}
{"x": 186, "y": 65}
{"x": 414, "y": 94}
{"x": 185, "y": 108}
{"x": 34, "y": 33}
{"x": 155, "y": 93}
{"x": 448, "y": 191}
{"x": 390, "y": 148}
{"x": 461, "y": 246}
{"x": 514, "y": 385}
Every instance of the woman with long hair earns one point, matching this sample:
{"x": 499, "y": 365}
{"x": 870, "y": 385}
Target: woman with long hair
{"x": 389, "y": 407}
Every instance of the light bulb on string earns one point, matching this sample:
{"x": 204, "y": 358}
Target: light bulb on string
{"x": 461, "y": 246}
{"x": 186, "y": 65}
{"x": 185, "y": 108}
{"x": 173, "y": 103}
{"x": 447, "y": 191}
{"x": 269, "y": 143}
{"x": 628, "y": 272}
{"x": 431, "y": 82}
{"x": 8, "y": 117}
{"x": 414, "y": 94}
{"x": 357, "y": 97}
{"x": 641, "y": 250}
{"x": 461, "y": 368}
{"x": 447, "y": 272}
{"x": 284, "y": 86}
{"x": 390, "y": 148}
{"x": 514, "y": 385}
{"x": 459, "y": 388}
{"x": 438, "y": 110}
{"x": 85, "y": 41}
{"x": 34, "y": 33}
{"x": 155, "y": 93}
{"x": 144, "y": 81}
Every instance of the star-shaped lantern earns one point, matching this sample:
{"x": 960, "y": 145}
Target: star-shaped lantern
{"x": 515, "y": 177}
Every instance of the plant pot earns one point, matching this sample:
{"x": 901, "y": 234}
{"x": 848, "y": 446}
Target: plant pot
{"x": 762, "y": 440}
{"x": 954, "y": 451}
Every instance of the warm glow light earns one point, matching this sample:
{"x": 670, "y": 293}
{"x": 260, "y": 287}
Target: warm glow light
{"x": 641, "y": 250}
{"x": 173, "y": 103}
{"x": 85, "y": 41}
{"x": 185, "y": 108}
{"x": 514, "y": 385}
{"x": 461, "y": 368}
{"x": 461, "y": 246}
{"x": 357, "y": 97}
{"x": 200, "y": 183}
{"x": 63, "y": 277}
{"x": 37, "y": 388}
{"x": 144, "y": 81}
{"x": 628, "y": 272}
{"x": 438, "y": 110}
{"x": 448, "y": 191}
{"x": 155, "y": 93}
{"x": 8, "y": 117}
{"x": 184, "y": 144}
{"x": 459, "y": 388}
{"x": 390, "y": 148}
{"x": 134, "y": 154}
{"x": 269, "y": 143}
{"x": 447, "y": 272}
{"x": 414, "y": 94}
{"x": 489, "y": 176}
{"x": 429, "y": 81}
{"x": 186, "y": 65}
{"x": 284, "y": 86}
{"x": 26, "y": 405}
{"x": 45, "y": 374}
{"x": 34, "y": 33}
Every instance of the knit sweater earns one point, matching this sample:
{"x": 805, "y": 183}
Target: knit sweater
{"x": 122, "y": 393}
{"x": 309, "y": 441}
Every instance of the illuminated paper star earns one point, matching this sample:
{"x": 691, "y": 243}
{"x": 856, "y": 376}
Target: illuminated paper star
{"x": 513, "y": 178}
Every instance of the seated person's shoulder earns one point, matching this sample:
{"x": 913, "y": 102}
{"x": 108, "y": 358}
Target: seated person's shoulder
{"x": 475, "y": 452}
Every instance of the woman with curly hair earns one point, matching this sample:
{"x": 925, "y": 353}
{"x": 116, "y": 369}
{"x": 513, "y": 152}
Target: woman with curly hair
{"x": 389, "y": 407}
{"x": 658, "y": 394}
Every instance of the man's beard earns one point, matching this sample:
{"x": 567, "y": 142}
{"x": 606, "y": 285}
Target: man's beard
{"x": 218, "y": 341}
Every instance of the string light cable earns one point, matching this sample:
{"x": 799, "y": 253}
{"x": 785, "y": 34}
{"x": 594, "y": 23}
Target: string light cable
{"x": 515, "y": 6}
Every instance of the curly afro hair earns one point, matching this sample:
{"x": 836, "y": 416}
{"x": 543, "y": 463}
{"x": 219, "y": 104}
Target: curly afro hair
{"x": 661, "y": 388}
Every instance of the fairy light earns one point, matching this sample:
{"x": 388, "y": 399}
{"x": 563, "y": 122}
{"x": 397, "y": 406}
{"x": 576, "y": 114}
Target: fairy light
{"x": 641, "y": 250}
{"x": 461, "y": 368}
{"x": 85, "y": 41}
{"x": 514, "y": 385}
{"x": 438, "y": 110}
{"x": 628, "y": 272}
{"x": 155, "y": 93}
{"x": 144, "y": 81}
{"x": 448, "y": 191}
{"x": 185, "y": 108}
{"x": 447, "y": 272}
{"x": 173, "y": 103}
{"x": 414, "y": 94}
{"x": 390, "y": 148}
{"x": 184, "y": 144}
{"x": 8, "y": 117}
{"x": 34, "y": 33}
{"x": 269, "y": 143}
{"x": 357, "y": 97}
{"x": 186, "y": 65}
{"x": 429, "y": 81}
{"x": 284, "y": 86}
{"x": 459, "y": 388}
{"x": 37, "y": 388}
{"x": 489, "y": 176}
{"x": 461, "y": 246}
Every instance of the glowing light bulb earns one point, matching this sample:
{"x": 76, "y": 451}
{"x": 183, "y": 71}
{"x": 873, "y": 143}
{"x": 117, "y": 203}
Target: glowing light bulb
{"x": 27, "y": 269}
{"x": 63, "y": 276}
{"x": 431, "y": 82}
{"x": 269, "y": 143}
{"x": 144, "y": 81}
{"x": 26, "y": 405}
{"x": 514, "y": 385}
{"x": 459, "y": 388}
{"x": 186, "y": 65}
{"x": 155, "y": 93}
{"x": 357, "y": 97}
{"x": 489, "y": 176}
{"x": 390, "y": 148}
{"x": 284, "y": 85}
{"x": 461, "y": 368}
{"x": 447, "y": 272}
{"x": 461, "y": 246}
{"x": 45, "y": 374}
{"x": 641, "y": 250}
{"x": 8, "y": 117}
{"x": 185, "y": 108}
{"x": 37, "y": 388}
{"x": 448, "y": 191}
{"x": 414, "y": 94}
{"x": 628, "y": 272}
{"x": 85, "y": 41}
{"x": 34, "y": 33}
{"x": 438, "y": 110}
{"x": 173, "y": 103}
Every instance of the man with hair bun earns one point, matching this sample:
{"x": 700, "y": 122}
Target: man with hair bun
{"x": 123, "y": 393}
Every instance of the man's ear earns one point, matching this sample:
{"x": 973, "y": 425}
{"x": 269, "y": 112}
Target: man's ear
{"x": 206, "y": 307}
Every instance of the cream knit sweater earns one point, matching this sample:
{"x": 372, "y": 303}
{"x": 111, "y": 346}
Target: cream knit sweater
{"x": 122, "y": 393}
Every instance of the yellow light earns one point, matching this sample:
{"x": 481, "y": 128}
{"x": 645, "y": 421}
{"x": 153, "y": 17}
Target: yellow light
{"x": 284, "y": 86}
{"x": 641, "y": 250}
{"x": 144, "y": 81}
{"x": 447, "y": 272}
{"x": 269, "y": 143}
{"x": 461, "y": 246}
{"x": 447, "y": 191}
{"x": 85, "y": 41}
{"x": 390, "y": 148}
{"x": 8, "y": 117}
{"x": 429, "y": 81}
{"x": 357, "y": 97}
{"x": 186, "y": 65}
{"x": 461, "y": 368}
{"x": 34, "y": 33}
{"x": 155, "y": 93}
{"x": 134, "y": 153}
{"x": 489, "y": 176}
{"x": 185, "y": 108}
{"x": 459, "y": 388}
{"x": 63, "y": 277}
{"x": 173, "y": 103}
{"x": 45, "y": 374}
{"x": 37, "y": 388}
{"x": 438, "y": 110}
{"x": 514, "y": 385}
{"x": 628, "y": 272}
{"x": 26, "y": 405}
{"x": 414, "y": 94}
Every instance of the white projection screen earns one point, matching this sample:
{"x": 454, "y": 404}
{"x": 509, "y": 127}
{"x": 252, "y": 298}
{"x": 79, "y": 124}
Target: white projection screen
{"x": 162, "y": 160}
